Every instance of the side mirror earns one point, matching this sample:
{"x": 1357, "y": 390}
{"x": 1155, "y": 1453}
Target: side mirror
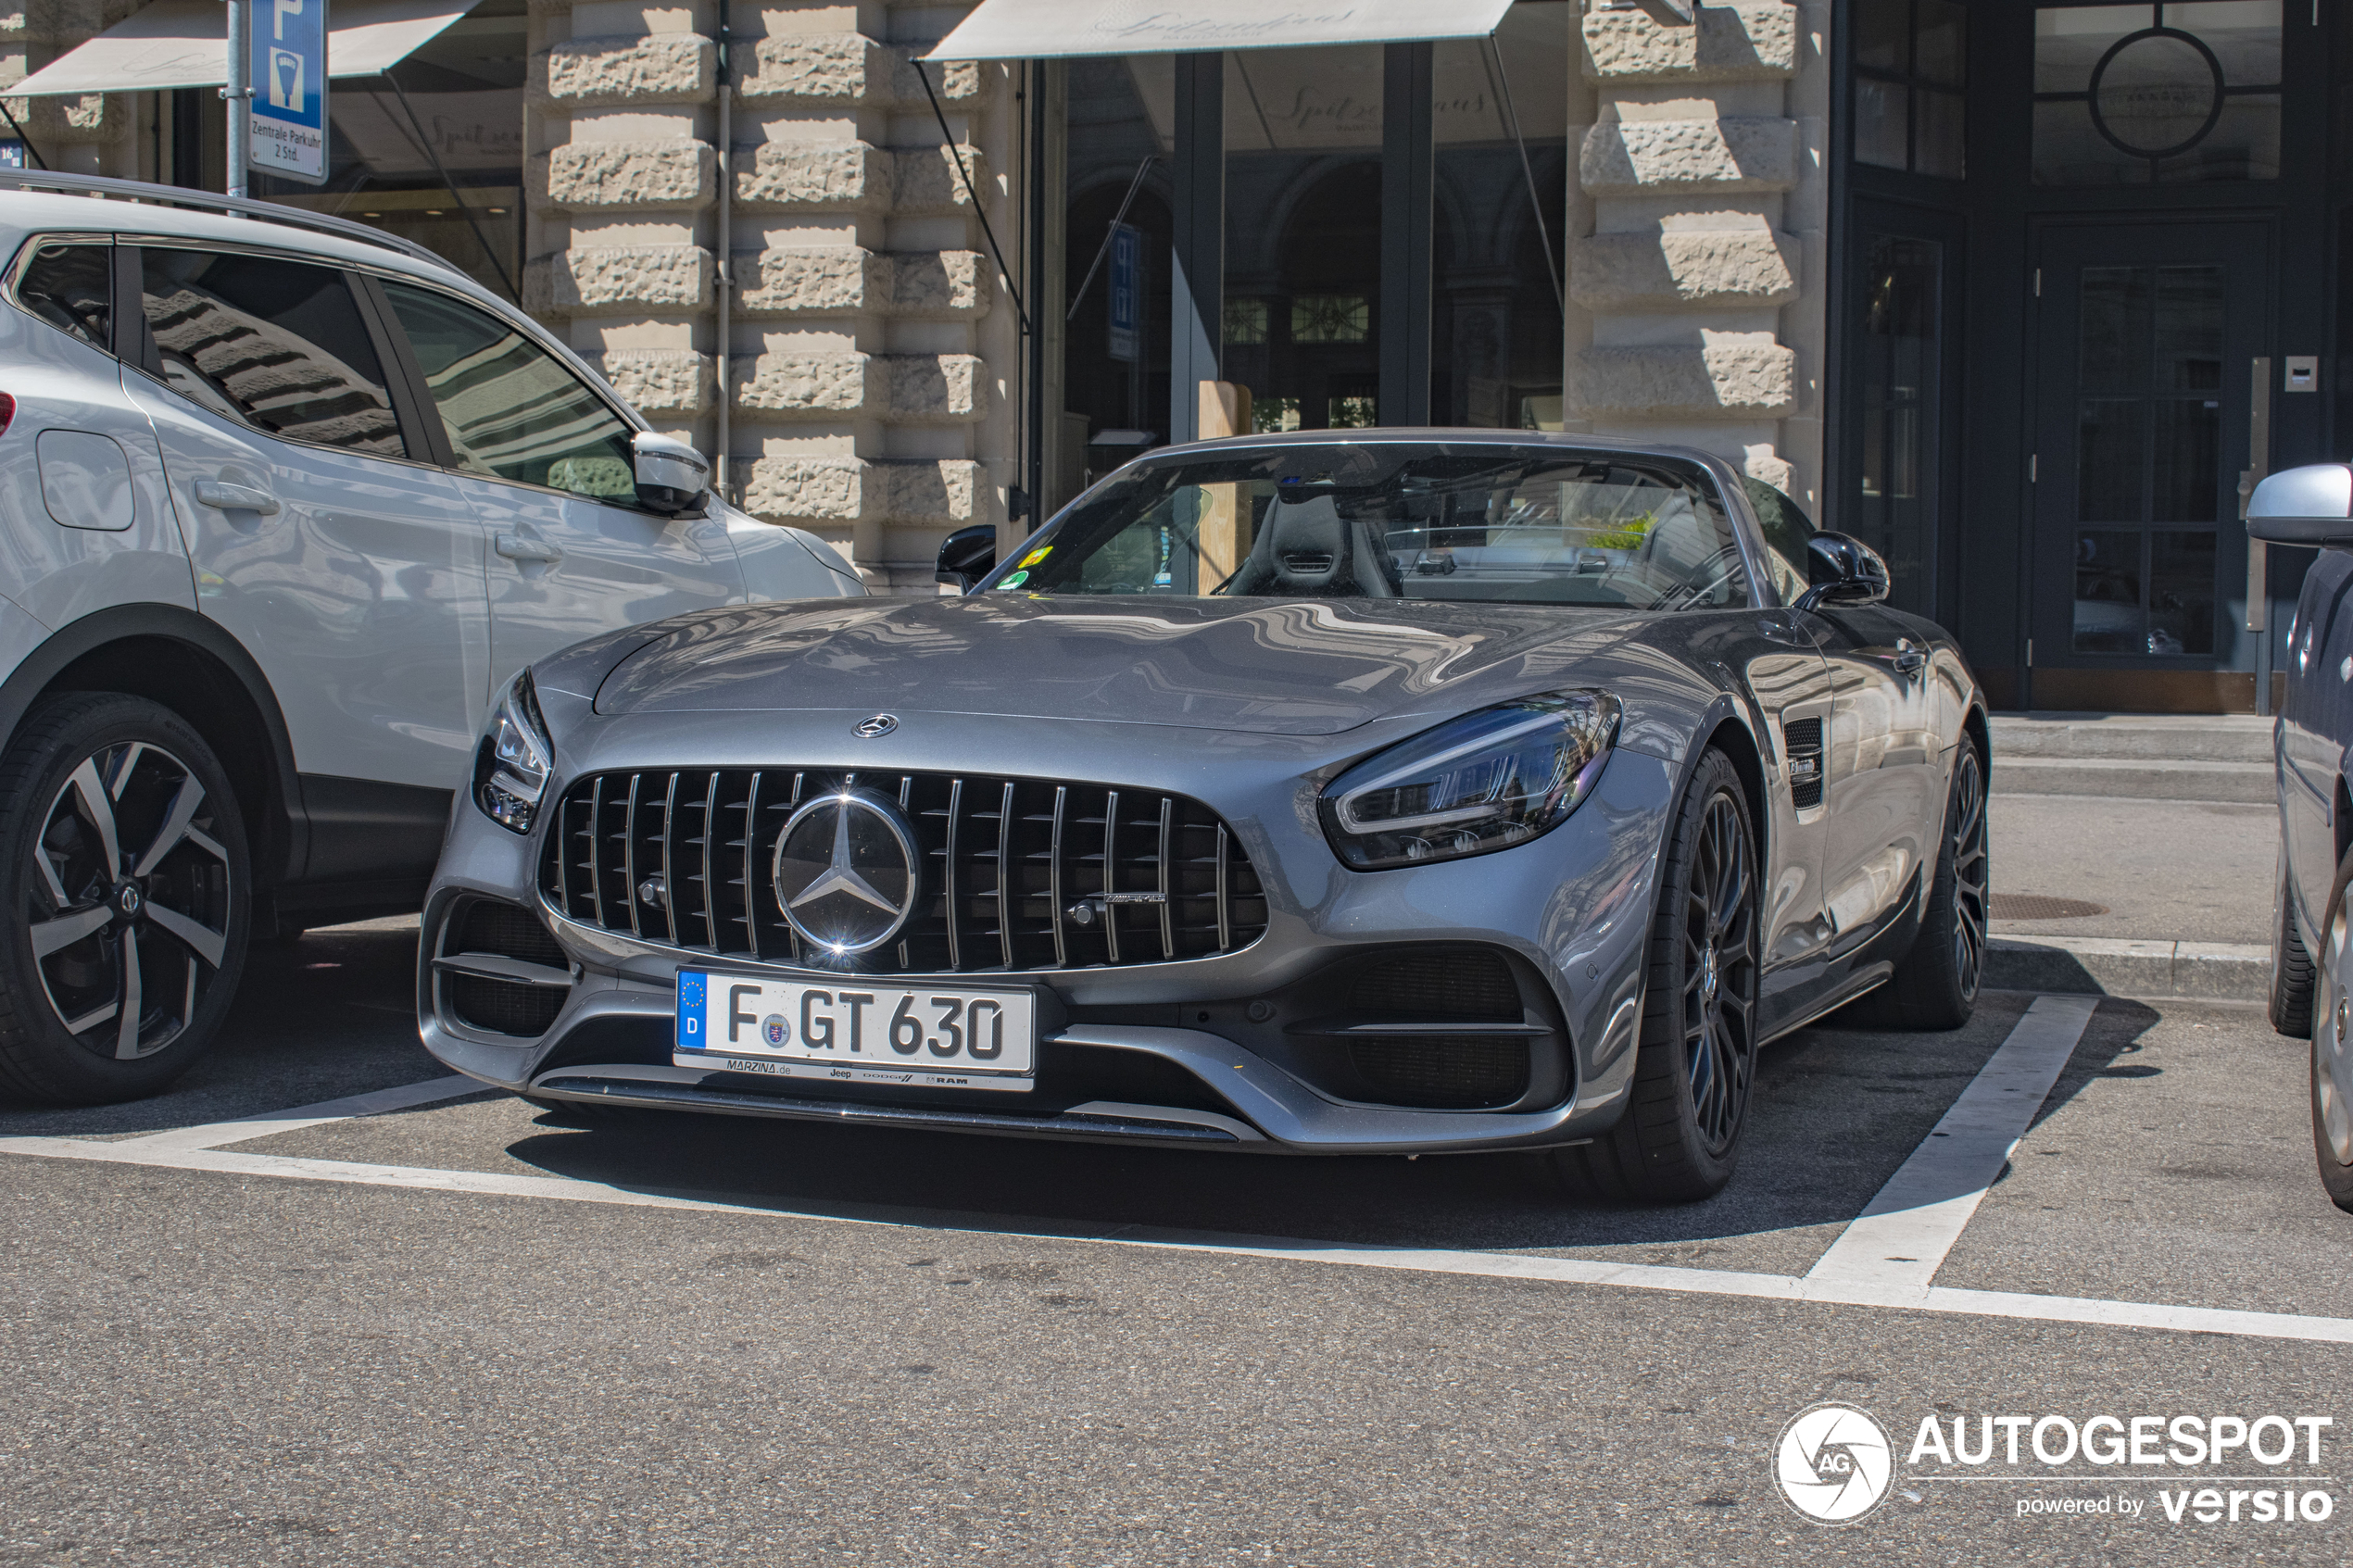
{"x": 1842, "y": 570}
{"x": 2313, "y": 504}
{"x": 968, "y": 555}
{"x": 673, "y": 478}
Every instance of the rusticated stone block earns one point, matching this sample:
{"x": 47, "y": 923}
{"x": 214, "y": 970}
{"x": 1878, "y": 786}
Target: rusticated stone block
{"x": 939, "y": 284}
{"x": 956, "y": 82}
{"x": 104, "y": 117}
{"x": 658, "y": 68}
{"x": 817, "y": 489}
{"x": 835, "y": 176}
{"x": 1641, "y": 157}
{"x": 825, "y": 67}
{"x": 618, "y": 278}
{"x": 657, "y": 380}
{"x": 936, "y": 388}
{"x": 822, "y": 281}
{"x": 1683, "y": 269}
{"x": 928, "y": 181}
{"x": 1728, "y": 44}
{"x": 941, "y": 490}
{"x": 588, "y": 175}
{"x": 793, "y": 384}
{"x": 1676, "y": 381}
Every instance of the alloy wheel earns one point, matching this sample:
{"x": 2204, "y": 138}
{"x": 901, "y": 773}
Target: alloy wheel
{"x": 127, "y": 900}
{"x": 1719, "y": 975}
{"x": 1969, "y": 872}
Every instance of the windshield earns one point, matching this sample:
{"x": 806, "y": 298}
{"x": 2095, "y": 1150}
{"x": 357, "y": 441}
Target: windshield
{"x": 1478, "y": 523}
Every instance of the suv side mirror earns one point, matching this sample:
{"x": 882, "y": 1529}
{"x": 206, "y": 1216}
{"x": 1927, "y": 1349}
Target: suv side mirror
{"x": 968, "y": 555}
{"x": 673, "y": 478}
{"x": 2313, "y": 504}
{"x": 1842, "y": 570}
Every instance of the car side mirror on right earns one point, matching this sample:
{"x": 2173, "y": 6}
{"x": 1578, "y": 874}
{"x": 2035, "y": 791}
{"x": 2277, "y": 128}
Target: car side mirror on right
{"x": 1842, "y": 570}
{"x": 968, "y": 555}
{"x": 2313, "y": 504}
{"x": 672, "y": 478}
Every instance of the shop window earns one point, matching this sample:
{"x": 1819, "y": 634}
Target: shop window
{"x": 1117, "y": 233}
{"x": 1910, "y": 70}
{"x": 2156, "y": 95}
{"x": 1303, "y": 146}
{"x": 1495, "y": 322}
{"x": 433, "y": 151}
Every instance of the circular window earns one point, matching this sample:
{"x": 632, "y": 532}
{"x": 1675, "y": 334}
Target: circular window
{"x": 2157, "y": 92}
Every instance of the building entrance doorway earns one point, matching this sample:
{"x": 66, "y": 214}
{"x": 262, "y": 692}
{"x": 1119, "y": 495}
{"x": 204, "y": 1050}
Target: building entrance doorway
{"x": 2144, "y": 346}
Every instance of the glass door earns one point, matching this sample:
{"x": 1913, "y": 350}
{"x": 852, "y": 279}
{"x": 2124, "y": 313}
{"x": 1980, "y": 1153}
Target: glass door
{"x": 2147, "y": 335}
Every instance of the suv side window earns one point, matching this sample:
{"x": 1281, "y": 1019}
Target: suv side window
{"x": 279, "y": 345}
{"x": 513, "y": 410}
{"x": 71, "y": 287}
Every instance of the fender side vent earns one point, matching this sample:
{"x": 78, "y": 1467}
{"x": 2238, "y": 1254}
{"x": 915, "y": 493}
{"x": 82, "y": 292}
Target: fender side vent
{"x": 1802, "y": 739}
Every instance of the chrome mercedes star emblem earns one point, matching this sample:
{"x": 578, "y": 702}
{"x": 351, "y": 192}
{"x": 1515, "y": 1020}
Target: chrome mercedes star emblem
{"x": 845, "y": 871}
{"x": 875, "y": 728}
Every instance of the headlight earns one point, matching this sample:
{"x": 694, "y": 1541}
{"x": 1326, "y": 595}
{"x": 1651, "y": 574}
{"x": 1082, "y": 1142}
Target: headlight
{"x": 512, "y": 763}
{"x": 1486, "y": 781}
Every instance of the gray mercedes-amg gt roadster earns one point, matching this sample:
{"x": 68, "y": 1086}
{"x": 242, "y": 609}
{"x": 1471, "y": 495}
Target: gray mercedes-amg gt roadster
{"x": 1393, "y": 791}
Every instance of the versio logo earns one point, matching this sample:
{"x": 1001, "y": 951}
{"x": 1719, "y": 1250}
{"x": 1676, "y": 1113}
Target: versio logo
{"x": 1833, "y": 1464}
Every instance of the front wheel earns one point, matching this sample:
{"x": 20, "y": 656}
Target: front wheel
{"x": 1680, "y": 1139}
{"x": 125, "y": 929}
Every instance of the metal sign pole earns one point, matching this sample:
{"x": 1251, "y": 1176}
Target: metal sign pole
{"x": 237, "y": 93}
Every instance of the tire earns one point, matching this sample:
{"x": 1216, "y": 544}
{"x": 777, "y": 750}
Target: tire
{"x": 125, "y": 935}
{"x": 1680, "y": 1139}
{"x": 2331, "y": 1058}
{"x": 1935, "y": 985}
{"x": 2291, "y": 976}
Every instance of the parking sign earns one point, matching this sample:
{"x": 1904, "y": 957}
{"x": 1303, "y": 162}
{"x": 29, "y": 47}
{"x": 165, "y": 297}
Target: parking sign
{"x": 289, "y": 75}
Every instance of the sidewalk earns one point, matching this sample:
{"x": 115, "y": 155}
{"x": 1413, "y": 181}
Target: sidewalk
{"x": 2185, "y": 889}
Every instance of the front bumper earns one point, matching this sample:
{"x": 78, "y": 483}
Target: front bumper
{"x": 1570, "y": 911}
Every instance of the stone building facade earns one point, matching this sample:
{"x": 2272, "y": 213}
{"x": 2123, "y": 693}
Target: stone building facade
{"x": 1864, "y": 250}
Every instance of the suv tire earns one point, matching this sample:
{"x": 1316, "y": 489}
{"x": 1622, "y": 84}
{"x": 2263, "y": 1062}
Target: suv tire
{"x": 122, "y": 943}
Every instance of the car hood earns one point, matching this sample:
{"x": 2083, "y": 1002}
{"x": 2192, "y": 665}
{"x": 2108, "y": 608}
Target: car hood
{"x": 1303, "y": 667}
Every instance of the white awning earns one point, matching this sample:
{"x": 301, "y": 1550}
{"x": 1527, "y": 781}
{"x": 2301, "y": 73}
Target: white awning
{"x": 185, "y": 43}
{"x": 1035, "y": 30}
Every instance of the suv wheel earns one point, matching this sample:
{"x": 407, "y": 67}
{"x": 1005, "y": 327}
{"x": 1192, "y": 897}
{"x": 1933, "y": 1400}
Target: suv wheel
{"x": 124, "y": 939}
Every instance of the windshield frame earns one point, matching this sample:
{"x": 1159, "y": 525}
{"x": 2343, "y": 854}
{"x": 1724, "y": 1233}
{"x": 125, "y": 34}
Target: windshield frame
{"x": 1730, "y": 496}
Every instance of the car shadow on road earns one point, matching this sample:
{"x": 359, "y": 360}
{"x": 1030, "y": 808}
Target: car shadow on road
{"x": 1837, "y": 1111}
{"x": 314, "y": 1020}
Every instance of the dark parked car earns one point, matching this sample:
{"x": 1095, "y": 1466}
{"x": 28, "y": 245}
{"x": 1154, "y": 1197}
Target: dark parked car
{"x": 2314, "y": 506}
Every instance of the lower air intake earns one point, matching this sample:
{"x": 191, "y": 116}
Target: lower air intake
{"x": 1444, "y": 1073}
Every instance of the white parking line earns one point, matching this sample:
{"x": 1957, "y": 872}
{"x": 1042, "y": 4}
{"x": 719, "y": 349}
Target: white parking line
{"x": 1487, "y": 1266}
{"x": 374, "y": 1103}
{"x": 1902, "y": 1236}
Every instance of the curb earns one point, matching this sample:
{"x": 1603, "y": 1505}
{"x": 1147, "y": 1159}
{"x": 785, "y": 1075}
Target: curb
{"x": 2144, "y": 779}
{"x": 2220, "y": 971}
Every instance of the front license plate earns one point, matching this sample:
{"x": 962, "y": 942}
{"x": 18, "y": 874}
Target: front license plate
{"x": 853, "y": 1031}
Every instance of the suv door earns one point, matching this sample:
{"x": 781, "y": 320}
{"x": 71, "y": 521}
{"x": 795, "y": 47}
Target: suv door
{"x": 546, "y": 464}
{"x": 352, "y": 572}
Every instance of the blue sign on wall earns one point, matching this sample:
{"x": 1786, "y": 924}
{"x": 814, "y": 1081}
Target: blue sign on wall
{"x": 289, "y": 75}
{"x": 1127, "y": 292}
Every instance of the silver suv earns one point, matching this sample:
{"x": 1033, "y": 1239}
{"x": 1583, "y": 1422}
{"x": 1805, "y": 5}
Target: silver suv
{"x": 287, "y": 501}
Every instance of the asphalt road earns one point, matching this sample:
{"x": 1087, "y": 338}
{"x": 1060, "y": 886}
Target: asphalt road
{"x": 879, "y": 1347}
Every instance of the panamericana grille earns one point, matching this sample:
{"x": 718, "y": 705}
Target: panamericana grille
{"x": 1017, "y": 874}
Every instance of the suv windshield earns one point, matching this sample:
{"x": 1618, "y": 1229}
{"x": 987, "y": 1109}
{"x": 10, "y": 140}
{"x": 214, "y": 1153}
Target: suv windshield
{"x": 1480, "y": 522}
